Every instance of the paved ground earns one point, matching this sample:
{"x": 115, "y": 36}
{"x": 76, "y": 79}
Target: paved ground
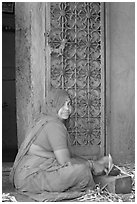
{"x": 7, "y": 188}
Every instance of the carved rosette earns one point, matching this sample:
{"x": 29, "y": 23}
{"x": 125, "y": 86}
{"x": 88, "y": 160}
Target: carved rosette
{"x": 75, "y": 43}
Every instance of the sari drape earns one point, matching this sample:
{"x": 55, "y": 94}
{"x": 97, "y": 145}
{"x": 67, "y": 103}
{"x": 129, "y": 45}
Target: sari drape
{"x": 43, "y": 179}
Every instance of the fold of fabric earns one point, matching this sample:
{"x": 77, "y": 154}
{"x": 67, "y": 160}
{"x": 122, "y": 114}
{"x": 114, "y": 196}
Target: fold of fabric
{"x": 45, "y": 195}
{"x": 29, "y": 139}
{"x": 52, "y": 196}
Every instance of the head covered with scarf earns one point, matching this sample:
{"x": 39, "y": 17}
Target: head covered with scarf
{"x": 55, "y": 100}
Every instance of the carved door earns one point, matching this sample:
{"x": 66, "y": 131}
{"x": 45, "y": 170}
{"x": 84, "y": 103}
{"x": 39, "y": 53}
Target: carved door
{"x": 75, "y": 62}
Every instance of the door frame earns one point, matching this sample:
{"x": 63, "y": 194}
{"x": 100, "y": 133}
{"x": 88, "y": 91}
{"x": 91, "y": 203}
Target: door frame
{"x": 107, "y": 107}
{"x": 107, "y": 78}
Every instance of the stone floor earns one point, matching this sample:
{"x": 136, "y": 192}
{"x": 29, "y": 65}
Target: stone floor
{"x": 8, "y": 188}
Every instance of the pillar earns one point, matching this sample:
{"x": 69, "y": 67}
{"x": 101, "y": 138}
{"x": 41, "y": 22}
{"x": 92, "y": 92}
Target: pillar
{"x": 30, "y": 64}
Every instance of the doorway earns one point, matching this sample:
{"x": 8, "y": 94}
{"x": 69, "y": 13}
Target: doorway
{"x": 9, "y": 135}
{"x": 75, "y": 62}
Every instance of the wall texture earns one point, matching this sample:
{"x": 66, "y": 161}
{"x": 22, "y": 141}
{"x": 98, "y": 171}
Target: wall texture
{"x": 122, "y": 68}
{"x": 30, "y": 56}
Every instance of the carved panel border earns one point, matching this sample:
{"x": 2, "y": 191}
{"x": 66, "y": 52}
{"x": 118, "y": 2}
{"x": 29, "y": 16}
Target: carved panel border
{"x": 75, "y": 62}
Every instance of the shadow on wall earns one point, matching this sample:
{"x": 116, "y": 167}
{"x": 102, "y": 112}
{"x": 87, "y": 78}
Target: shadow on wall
{"x": 9, "y": 135}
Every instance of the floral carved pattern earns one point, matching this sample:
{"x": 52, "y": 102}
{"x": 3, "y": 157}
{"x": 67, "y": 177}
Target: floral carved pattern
{"x": 76, "y": 65}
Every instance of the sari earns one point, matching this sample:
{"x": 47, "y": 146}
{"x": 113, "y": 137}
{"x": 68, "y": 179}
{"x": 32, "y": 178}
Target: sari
{"x": 44, "y": 179}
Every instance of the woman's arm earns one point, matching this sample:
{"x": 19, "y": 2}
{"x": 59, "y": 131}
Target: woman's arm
{"x": 57, "y": 138}
{"x": 62, "y": 156}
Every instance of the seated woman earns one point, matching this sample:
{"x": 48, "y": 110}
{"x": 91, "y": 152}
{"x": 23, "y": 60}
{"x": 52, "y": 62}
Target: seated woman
{"x": 44, "y": 162}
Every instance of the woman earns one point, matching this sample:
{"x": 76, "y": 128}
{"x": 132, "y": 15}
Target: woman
{"x": 44, "y": 163}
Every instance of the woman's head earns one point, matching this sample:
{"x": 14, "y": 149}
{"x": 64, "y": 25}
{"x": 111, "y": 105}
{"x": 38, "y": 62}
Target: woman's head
{"x": 65, "y": 111}
{"x": 58, "y": 103}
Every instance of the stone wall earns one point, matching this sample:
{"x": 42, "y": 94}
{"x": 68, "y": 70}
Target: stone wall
{"x": 30, "y": 64}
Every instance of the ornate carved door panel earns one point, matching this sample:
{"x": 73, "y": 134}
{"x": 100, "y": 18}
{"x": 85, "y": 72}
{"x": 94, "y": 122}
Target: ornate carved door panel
{"x": 75, "y": 62}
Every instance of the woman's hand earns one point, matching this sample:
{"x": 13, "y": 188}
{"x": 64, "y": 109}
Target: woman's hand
{"x": 100, "y": 166}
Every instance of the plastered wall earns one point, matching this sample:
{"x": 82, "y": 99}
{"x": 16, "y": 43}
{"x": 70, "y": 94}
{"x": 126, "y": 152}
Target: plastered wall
{"x": 122, "y": 79}
{"x": 30, "y": 64}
